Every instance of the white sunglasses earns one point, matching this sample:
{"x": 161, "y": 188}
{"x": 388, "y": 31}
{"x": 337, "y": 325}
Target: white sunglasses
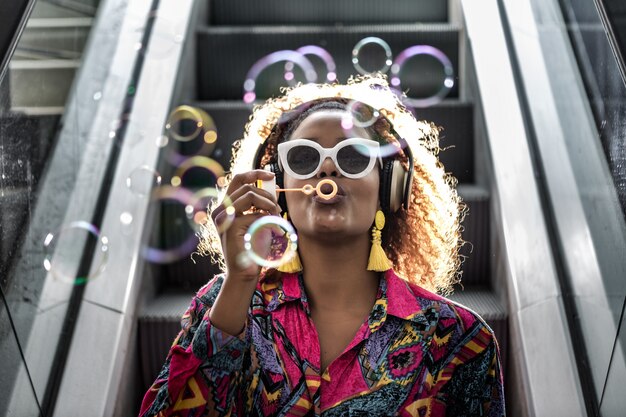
{"x": 353, "y": 157}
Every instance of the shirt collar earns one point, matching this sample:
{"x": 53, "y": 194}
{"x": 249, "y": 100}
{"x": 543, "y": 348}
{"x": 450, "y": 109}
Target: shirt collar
{"x": 396, "y": 297}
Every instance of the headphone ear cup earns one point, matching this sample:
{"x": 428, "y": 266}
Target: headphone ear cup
{"x": 385, "y": 186}
{"x": 397, "y": 186}
{"x": 393, "y": 186}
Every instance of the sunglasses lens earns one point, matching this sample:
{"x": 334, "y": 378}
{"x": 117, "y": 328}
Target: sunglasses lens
{"x": 354, "y": 159}
{"x": 303, "y": 159}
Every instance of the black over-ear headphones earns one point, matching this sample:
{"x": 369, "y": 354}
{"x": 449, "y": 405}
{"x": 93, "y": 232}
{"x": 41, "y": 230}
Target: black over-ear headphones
{"x": 395, "y": 180}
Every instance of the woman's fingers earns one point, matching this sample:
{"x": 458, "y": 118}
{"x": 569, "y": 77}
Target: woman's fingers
{"x": 232, "y": 242}
{"x": 243, "y": 195}
{"x": 246, "y": 198}
{"x": 249, "y": 177}
{"x": 249, "y": 195}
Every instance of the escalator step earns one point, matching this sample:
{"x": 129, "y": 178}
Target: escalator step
{"x": 55, "y": 38}
{"x": 481, "y": 300}
{"x": 292, "y": 12}
{"x": 225, "y": 54}
{"x": 485, "y": 302}
{"x": 56, "y": 74}
{"x": 476, "y": 225}
{"x": 456, "y": 119}
{"x": 159, "y": 323}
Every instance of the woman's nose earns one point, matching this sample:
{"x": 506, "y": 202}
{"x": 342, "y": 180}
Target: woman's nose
{"x": 328, "y": 169}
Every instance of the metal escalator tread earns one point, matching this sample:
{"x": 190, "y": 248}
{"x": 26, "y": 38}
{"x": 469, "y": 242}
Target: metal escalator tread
{"x": 244, "y": 12}
{"x": 225, "y": 54}
{"x": 159, "y": 323}
{"x": 167, "y": 306}
{"x": 484, "y": 302}
{"x": 288, "y": 29}
{"x": 480, "y": 300}
{"x": 476, "y": 231}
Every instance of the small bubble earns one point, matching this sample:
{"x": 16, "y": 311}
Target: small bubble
{"x": 346, "y": 123}
{"x": 270, "y": 241}
{"x": 210, "y": 136}
{"x": 142, "y": 180}
{"x": 97, "y": 95}
{"x": 200, "y": 217}
{"x": 161, "y": 141}
{"x": 126, "y": 218}
{"x": 62, "y": 249}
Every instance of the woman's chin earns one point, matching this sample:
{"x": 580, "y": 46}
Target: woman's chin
{"x": 327, "y": 230}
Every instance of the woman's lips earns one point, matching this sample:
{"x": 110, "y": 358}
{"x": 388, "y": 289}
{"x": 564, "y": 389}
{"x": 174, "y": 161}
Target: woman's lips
{"x": 327, "y": 189}
{"x": 333, "y": 200}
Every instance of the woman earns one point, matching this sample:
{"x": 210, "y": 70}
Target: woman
{"x": 346, "y": 327}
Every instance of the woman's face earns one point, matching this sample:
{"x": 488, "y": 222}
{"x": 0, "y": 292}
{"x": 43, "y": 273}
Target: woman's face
{"x": 351, "y": 213}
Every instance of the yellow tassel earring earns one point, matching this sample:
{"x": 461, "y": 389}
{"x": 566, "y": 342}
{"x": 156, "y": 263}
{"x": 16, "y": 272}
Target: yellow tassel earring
{"x": 293, "y": 264}
{"x": 378, "y": 260}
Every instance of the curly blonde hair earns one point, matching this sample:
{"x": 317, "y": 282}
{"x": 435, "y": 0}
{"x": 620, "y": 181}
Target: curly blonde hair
{"x": 422, "y": 242}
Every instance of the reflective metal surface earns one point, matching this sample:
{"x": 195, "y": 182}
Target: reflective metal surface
{"x": 583, "y": 200}
{"x": 544, "y": 372}
{"x": 110, "y": 305}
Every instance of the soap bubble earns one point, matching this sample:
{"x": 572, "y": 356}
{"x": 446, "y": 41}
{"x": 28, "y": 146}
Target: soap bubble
{"x": 142, "y": 180}
{"x": 372, "y": 52}
{"x": 177, "y": 239}
{"x": 430, "y": 58}
{"x": 208, "y": 198}
{"x": 266, "y": 64}
{"x": 197, "y": 171}
{"x": 270, "y": 241}
{"x": 64, "y": 249}
{"x": 319, "y": 52}
{"x": 359, "y": 114}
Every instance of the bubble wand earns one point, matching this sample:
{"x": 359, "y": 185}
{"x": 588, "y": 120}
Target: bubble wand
{"x": 307, "y": 189}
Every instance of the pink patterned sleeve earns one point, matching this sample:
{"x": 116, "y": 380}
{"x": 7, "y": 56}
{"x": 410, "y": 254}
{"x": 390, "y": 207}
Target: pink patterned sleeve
{"x": 202, "y": 371}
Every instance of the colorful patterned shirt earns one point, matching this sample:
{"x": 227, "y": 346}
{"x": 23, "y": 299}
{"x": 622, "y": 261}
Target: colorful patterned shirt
{"x": 417, "y": 354}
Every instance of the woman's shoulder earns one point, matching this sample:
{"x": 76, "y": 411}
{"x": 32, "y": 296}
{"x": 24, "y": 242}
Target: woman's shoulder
{"x": 209, "y": 291}
{"x": 450, "y": 312}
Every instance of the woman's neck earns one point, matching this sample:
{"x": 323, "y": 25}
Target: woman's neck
{"x": 336, "y": 276}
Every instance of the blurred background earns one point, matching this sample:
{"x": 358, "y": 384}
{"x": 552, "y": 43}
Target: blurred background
{"x": 117, "y": 120}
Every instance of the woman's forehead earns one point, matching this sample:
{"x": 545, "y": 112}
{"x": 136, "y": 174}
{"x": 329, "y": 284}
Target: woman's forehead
{"x": 326, "y": 124}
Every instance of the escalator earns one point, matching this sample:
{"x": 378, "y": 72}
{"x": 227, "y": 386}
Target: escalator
{"x": 230, "y": 41}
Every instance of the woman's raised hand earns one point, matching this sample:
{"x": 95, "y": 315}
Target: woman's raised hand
{"x": 249, "y": 203}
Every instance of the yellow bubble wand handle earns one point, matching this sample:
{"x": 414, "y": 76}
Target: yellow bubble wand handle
{"x": 308, "y": 189}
